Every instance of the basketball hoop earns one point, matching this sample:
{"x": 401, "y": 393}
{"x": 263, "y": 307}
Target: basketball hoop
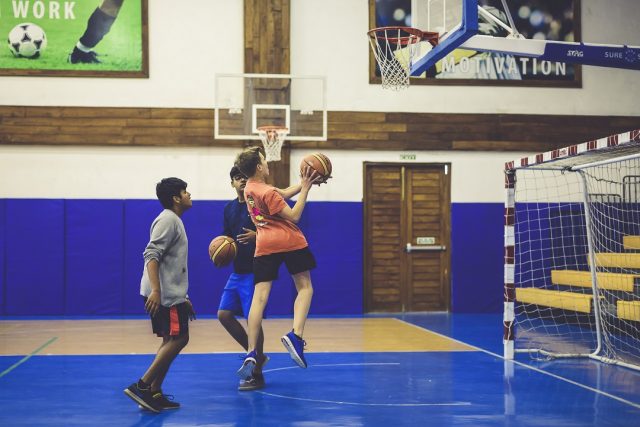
{"x": 394, "y": 49}
{"x": 272, "y": 138}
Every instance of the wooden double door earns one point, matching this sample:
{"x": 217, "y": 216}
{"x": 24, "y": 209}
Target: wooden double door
{"x": 407, "y": 237}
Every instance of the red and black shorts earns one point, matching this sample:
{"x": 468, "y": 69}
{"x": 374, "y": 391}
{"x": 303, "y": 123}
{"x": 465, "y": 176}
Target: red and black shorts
{"x": 171, "y": 321}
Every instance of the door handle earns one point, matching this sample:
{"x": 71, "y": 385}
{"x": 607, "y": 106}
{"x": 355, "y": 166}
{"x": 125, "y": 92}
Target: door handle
{"x": 427, "y": 248}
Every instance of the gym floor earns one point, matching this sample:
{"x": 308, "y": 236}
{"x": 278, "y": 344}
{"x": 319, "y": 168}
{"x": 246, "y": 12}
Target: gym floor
{"x": 417, "y": 369}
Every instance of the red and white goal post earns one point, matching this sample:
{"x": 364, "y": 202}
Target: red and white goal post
{"x": 572, "y": 252}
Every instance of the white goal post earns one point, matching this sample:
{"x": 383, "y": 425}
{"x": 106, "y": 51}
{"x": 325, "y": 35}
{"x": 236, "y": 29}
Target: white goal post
{"x": 572, "y": 252}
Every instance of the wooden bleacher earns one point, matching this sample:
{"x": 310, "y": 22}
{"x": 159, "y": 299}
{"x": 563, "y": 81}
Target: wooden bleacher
{"x": 583, "y": 302}
{"x": 629, "y": 310}
{"x": 608, "y": 281}
{"x": 631, "y": 242}
{"x": 558, "y": 299}
{"x": 618, "y": 260}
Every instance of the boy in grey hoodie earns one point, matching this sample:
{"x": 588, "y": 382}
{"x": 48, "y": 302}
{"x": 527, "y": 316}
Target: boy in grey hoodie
{"x": 164, "y": 288}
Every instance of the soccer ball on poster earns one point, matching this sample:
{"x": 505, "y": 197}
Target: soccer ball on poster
{"x": 27, "y": 40}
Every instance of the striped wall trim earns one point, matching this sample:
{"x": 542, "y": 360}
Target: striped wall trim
{"x": 632, "y": 136}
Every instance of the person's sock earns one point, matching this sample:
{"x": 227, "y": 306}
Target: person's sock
{"x": 98, "y": 25}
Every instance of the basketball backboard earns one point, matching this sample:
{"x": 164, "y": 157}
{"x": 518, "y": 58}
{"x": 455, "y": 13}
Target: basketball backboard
{"x": 455, "y": 20}
{"x": 245, "y": 102}
{"x": 459, "y": 22}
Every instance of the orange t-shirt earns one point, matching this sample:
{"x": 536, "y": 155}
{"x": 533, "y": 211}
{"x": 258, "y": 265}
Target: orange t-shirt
{"x": 275, "y": 234}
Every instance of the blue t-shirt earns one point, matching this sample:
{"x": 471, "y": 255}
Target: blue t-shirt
{"x": 236, "y": 217}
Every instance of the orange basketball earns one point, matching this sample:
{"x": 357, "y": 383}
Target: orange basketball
{"x": 222, "y": 250}
{"x": 320, "y": 163}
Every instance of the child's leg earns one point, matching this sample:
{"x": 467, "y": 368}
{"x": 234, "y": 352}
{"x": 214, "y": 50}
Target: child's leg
{"x": 170, "y": 348}
{"x": 259, "y": 302}
{"x": 303, "y": 301}
{"x": 234, "y": 327}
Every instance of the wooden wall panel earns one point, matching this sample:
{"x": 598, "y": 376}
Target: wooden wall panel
{"x": 267, "y": 29}
{"x": 21, "y": 125}
{"x": 266, "y": 36}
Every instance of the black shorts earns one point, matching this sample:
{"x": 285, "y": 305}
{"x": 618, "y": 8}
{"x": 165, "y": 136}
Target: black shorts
{"x": 265, "y": 267}
{"x": 171, "y": 321}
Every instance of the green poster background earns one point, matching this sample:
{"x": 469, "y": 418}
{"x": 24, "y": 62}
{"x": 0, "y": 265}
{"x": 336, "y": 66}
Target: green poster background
{"x": 122, "y": 50}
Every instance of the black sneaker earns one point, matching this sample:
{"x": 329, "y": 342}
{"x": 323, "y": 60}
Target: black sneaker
{"x": 262, "y": 360}
{"x": 254, "y": 382}
{"x": 165, "y": 401}
{"x": 79, "y": 57}
{"x": 142, "y": 397}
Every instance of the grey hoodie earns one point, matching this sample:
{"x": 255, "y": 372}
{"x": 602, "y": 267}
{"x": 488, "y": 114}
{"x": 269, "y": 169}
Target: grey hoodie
{"x": 168, "y": 245}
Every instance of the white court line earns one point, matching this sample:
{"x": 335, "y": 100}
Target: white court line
{"x": 542, "y": 371}
{"x": 337, "y": 402}
{"x": 363, "y": 404}
{"x": 335, "y": 364}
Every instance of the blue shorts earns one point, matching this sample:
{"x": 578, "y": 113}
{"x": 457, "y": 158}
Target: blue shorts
{"x": 237, "y": 294}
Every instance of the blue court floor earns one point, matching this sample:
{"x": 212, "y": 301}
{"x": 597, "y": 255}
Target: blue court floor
{"x": 394, "y": 389}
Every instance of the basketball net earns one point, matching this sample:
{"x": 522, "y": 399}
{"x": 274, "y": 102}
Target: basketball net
{"x": 272, "y": 139}
{"x": 394, "y": 49}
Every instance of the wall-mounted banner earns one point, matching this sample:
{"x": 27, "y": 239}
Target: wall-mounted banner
{"x": 552, "y": 20}
{"x": 74, "y": 38}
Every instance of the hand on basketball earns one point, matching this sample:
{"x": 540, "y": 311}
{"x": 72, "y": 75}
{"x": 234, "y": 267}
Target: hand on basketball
{"x": 152, "y": 305}
{"x": 323, "y": 180}
{"x": 309, "y": 176}
{"x": 247, "y": 237}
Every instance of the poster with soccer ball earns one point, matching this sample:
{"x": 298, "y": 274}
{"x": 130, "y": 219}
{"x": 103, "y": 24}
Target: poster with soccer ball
{"x": 74, "y": 38}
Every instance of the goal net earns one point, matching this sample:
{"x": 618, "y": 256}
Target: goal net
{"x": 572, "y": 252}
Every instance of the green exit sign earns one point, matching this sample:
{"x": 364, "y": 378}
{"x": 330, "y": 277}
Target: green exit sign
{"x": 407, "y": 156}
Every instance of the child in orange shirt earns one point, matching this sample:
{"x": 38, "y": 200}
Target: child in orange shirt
{"x": 278, "y": 240}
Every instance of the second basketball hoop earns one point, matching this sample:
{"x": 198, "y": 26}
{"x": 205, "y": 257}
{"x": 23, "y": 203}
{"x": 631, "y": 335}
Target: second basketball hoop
{"x": 394, "y": 49}
{"x": 272, "y": 138}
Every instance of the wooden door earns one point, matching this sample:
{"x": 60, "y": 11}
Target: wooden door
{"x": 407, "y": 237}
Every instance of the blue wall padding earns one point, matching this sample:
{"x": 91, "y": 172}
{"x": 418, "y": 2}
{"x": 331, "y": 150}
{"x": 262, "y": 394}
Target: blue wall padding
{"x": 138, "y": 216}
{"x": 477, "y": 257}
{"x": 84, "y": 257}
{"x": 94, "y": 256}
{"x": 34, "y": 257}
{"x": 3, "y": 241}
{"x": 334, "y": 233}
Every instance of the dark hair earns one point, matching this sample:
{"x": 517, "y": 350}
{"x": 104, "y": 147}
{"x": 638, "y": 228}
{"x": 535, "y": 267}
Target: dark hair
{"x": 167, "y": 188}
{"x": 235, "y": 170}
{"x": 248, "y": 161}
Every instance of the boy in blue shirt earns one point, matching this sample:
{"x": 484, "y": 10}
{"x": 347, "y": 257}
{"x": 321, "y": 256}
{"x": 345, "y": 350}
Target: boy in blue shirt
{"x": 238, "y": 292}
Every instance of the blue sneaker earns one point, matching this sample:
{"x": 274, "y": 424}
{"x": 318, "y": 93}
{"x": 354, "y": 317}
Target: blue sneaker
{"x": 249, "y": 363}
{"x": 295, "y": 346}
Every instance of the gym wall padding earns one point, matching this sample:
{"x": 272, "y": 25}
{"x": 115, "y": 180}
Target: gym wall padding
{"x": 94, "y": 256}
{"x": 3, "y": 242}
{"x": 84, "y": 257}
{"x": 34, "y": 257}
{"x": 477, "y": 252}
{"x": 334, "y": 232}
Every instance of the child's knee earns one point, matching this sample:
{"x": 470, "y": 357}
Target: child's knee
{"x": 224, "y": 316}
{"x": 184, "y": 340}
